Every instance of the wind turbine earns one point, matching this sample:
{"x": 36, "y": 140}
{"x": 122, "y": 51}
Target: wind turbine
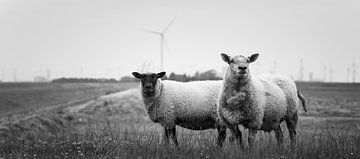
{"x": 163, "y": 40}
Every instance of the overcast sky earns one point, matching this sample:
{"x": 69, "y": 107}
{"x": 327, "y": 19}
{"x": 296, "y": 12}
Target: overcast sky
{"x": 93, "y": 38}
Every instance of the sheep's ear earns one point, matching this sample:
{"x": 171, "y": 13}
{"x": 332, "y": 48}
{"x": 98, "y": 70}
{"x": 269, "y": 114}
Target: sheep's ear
{"x": 253, "y": 57}
{"x": 225, "y": 58}
{"x": 137, "y": 75}
{"x": 161, "y": 74}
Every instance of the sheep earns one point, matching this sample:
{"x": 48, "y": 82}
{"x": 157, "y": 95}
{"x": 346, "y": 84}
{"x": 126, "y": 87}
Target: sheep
{"x": 257, "y": 102}
{"x": 191, "y": 105}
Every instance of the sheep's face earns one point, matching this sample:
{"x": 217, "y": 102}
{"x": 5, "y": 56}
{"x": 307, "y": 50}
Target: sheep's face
{"x": 239, "y": 65}
{"x": 149, "y": 81}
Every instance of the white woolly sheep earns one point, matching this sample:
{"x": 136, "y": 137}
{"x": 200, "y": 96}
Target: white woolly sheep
{"x": 257, "y": 102}
{"x": 191, "y": 105}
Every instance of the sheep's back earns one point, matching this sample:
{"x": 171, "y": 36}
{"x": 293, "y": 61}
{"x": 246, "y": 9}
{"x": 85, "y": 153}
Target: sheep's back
{"x": 287, "y": 85}
{"x": 192, "y": 100}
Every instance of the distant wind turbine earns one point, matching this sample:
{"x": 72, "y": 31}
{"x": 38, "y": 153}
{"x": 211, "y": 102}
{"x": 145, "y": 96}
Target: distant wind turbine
{"x": 163, "y": 40}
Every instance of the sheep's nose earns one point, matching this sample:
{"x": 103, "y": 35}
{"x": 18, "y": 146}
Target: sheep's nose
{"x": 148, "y": 86}
{"x": 242, "y": 68}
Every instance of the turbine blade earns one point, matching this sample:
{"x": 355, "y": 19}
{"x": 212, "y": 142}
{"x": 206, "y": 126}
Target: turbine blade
{"x": 150, "y": 31}
{"x": 171, "y": 22}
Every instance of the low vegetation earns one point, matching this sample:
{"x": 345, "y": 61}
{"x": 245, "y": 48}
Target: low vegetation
{"x": 111, "y": 140}
{"x": 116, "y": 126}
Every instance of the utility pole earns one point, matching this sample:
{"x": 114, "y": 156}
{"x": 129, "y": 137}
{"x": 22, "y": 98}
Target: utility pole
{"x": 324, "y": 76}
{"x": 15, "y": 75}
{"x": 81, "y": 72}
{"x": 348, "y": 75}
{"x": 48, "y": 74}
{"x": 311, "y": 76}
{"x": 274, "y": 66}
{"x": 301, "y": 77}
{"x": 330, "y": 74}
{"x": 162, "y": 52}
{"x": 2, "y": 74}
{"x": 354, "y": 72}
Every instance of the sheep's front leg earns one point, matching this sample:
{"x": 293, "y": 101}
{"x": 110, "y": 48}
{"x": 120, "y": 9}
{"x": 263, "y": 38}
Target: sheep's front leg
{"x": 166, "y": 136}
{"x": 251, "y": 138}
{"x": 238, "y": 135}
{"x": 172, "y": 132}
{"x": 279, "y": 136}
{"x": 221, "y": 135}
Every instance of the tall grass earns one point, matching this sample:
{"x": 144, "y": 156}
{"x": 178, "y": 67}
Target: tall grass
{"x": 108, "y": 140}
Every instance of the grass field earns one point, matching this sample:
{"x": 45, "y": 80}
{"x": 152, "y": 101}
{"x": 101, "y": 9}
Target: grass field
{"x": 332, "y": 99}
{"x": 18, "y": 97}
{"x": 116, "y": 126}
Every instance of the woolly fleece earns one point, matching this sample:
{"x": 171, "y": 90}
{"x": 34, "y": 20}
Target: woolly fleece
{"x": 258, "y": 102}
{"x": 191, "y": 105}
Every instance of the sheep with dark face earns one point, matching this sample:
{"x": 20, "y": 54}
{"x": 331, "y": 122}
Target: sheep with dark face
{"x": 191, "y": 105}
{"x": 257, "y": 102}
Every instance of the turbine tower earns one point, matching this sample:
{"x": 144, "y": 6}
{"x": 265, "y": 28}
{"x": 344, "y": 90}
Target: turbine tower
{"x": 162, "y": 41}
{"x": 354, "y": 71}
{"x": 2, "y": 74}
{"x": 348, "y": 74}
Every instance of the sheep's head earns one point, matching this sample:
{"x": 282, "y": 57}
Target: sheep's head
{"x": 239, "y": 65}
{"x": 149, "y": 81}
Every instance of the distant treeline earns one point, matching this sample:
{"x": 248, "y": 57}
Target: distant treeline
{"x": 84, "y": 80}
{"x": 198, "y": 76}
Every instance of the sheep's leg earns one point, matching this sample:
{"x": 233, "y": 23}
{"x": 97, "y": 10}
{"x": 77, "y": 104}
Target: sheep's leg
{"x": 279, "y": 136}
{"x": 172, "y": 132}
{"x": 235, "y": 131}
{"x": 291, "y": 123}
{"x": 238, "y": 135}
{"x": 166, "y": 136}
{"x": 251, "y": 137}
{"x": 221, "y": 135}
